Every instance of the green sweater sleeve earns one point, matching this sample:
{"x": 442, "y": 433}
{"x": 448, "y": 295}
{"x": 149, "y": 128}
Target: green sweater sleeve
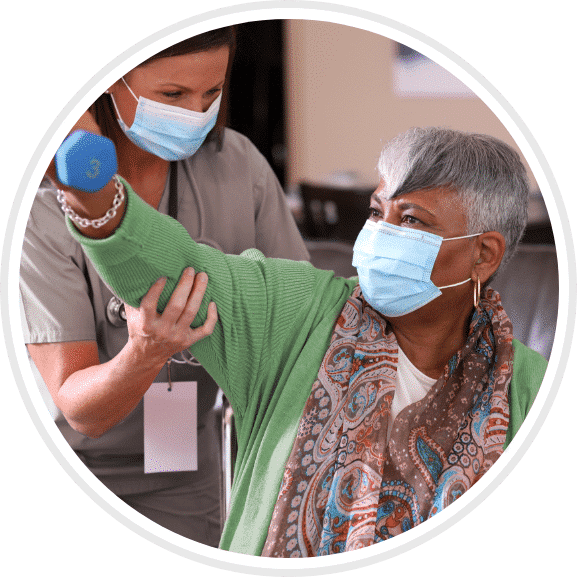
{"x": 528, "y": 372}
{"x": 264, "y": 305}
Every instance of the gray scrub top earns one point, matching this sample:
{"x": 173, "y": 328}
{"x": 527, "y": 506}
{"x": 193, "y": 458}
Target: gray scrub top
{"x": 228, "y": 198}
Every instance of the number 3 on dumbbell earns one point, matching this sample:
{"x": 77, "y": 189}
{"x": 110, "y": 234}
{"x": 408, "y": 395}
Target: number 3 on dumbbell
{"x": 95, "y": 170}
{"x": 86, "y": 161}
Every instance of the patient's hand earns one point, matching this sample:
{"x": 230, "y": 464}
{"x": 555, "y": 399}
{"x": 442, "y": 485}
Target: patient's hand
{"x": 157, "y": 336}
{"x": 90, "y": 205}
{"x": 85, "y": 122}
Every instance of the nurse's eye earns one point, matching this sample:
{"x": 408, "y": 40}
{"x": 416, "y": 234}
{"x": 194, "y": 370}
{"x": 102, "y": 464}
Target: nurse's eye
{"x": 213, "y": 92}
{"x": 174, "y": 94}
{"x": 374, "y": 213}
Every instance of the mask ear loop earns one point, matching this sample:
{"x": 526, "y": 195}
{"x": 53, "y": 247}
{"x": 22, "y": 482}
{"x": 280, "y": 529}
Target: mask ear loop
{"x": 458, "y": 237}
{"x": 114, "y": 101}
{"x": 129, "y": 89}
{"x": 452, "y": 285}
{"x": 477, "y": 286}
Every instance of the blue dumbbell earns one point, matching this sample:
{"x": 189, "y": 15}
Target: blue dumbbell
{"x": 86, "y": 161}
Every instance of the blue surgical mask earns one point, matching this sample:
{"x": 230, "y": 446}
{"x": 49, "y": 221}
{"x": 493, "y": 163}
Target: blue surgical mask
{"x": 394, "y": 264}
{"x": 170, "y": 132}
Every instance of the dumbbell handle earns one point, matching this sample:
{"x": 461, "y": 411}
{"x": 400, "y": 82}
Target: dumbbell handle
{"x": 86, "y": 161}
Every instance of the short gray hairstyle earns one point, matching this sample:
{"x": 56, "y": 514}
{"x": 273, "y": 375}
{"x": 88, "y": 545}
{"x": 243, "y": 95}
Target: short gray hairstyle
{"x": 486, "y": 173}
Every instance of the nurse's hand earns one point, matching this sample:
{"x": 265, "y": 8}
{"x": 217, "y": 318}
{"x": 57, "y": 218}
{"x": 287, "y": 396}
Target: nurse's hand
{"x": 154, "y": 336}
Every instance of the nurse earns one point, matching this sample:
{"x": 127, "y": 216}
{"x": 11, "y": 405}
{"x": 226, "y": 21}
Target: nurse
{"x": 93, "y": 362}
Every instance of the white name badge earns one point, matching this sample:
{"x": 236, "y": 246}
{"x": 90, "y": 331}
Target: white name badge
{"x": 170, "y": 433}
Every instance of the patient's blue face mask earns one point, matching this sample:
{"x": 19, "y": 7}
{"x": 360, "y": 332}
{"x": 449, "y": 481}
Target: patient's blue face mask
{"x": 170, "y": 132}
{"x": 394, "y": 264}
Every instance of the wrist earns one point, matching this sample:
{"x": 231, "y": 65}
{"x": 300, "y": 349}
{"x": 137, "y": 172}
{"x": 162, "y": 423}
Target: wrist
{"x": 95, "y": 216}
{"x": 81, "y": 220}
{"x": 145, "y": 358}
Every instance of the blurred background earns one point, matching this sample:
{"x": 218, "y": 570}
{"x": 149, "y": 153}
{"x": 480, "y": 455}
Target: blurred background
{"x": 320, "y": 99}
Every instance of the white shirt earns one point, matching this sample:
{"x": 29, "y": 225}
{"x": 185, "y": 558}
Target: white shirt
{"x": 411, "y": 386}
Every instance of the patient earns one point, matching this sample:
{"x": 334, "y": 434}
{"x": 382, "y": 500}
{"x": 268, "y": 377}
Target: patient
{"x": 363, "y": 406}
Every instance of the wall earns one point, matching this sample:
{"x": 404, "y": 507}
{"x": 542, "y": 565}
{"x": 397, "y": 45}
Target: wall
{"x": 341, "y": 106}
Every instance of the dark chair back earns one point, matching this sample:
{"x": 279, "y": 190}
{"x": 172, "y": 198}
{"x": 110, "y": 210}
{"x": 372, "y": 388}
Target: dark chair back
{"x": 529, "y": 289}
{"x": 332, "y": 255}
{"x": 334, "y": 212}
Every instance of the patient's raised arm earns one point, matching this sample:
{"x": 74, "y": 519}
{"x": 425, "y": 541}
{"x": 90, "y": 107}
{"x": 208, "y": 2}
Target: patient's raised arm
{"x": 259, "y": 301}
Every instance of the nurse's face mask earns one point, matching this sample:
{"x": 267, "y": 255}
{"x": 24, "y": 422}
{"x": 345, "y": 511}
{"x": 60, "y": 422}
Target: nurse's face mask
{"x": 394, "y": 265}
{"x": 169, "y": 132}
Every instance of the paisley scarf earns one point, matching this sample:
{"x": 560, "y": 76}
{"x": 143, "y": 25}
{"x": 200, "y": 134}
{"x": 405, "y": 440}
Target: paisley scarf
{"x": 344, "y": 486}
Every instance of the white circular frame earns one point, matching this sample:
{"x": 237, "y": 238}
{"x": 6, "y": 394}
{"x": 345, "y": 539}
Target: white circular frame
{"x": 338, "y": 14}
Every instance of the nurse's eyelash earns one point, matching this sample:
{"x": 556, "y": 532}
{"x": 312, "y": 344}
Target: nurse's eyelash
{"x": 174, "y": 94}
{"x": 213, "y": 91}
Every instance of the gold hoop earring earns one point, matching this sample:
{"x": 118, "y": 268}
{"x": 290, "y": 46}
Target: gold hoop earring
{"x": 477, "y": 292}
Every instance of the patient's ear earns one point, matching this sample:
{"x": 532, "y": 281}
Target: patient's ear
{"x": 489, "y": 253}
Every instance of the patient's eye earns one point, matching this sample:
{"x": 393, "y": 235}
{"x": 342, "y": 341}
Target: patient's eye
{"x": 410, "y": 219}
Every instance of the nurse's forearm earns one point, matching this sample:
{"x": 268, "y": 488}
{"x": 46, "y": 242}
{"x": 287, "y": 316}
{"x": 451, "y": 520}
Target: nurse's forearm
{"x": 96, "y": 398}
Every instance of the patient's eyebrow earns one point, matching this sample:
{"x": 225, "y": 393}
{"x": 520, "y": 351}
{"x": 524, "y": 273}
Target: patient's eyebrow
{"x": 406, "y": 205}
{"x": 375, "y": 197}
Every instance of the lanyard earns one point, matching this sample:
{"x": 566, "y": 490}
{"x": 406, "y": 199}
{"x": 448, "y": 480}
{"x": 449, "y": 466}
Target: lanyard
{"x": 172, "y": 212}
{"x": 172, "y": 192}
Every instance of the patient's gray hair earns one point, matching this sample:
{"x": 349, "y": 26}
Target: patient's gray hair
{"x": 486, "y": 173}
